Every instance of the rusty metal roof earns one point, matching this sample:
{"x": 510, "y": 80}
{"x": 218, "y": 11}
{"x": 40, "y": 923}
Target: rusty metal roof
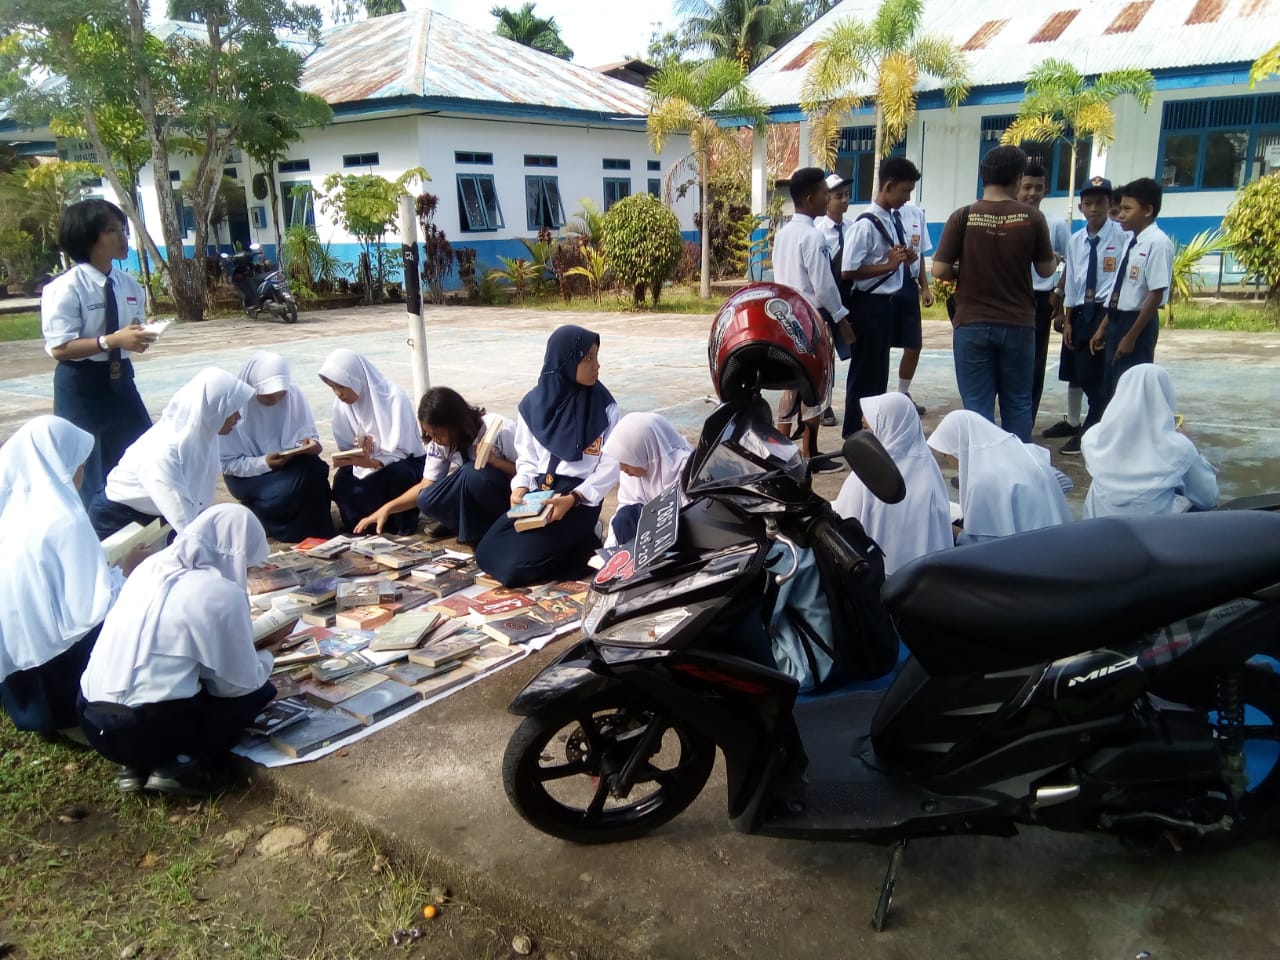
{"x": 1095, "y": 35}
{"x": 423, "y": 54}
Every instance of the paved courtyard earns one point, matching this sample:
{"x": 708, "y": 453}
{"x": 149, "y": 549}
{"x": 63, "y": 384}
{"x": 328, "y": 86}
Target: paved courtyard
{"x": 695, "y": 889}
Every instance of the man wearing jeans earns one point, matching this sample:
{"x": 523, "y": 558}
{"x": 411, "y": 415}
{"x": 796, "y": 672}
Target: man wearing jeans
{"x": 986, "y": 247}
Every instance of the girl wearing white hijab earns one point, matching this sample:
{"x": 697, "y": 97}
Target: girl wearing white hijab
{"x": 921, "y": 523}
{"x": 174, "y": 673}
{"x": 271, "y": 461}
{"x": 55, "y": 585}
{"x": 374, "y": 415}
{"x": 651, "y": 456}
{"x": 171, "y": 471}
{"x": 1139, "y": 462}
{"x": 1004, "y": 489}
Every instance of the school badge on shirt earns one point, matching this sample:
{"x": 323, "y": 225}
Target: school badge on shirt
{"x": 596, "y": 446}
{"x": 1108, "y": 264}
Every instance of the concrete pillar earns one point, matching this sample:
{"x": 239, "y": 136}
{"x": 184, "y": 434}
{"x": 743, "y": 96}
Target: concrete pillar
{"x": 806, "y": 153}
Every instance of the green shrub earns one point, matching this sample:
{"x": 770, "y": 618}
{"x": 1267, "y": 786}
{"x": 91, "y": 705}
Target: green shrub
{"x": 642, "y": 244}
{"x": 1252, "y": 228}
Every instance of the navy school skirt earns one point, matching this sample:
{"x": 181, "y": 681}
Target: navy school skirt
{"x": 292, "y": 502}
{"x": 625, "y": 522}
{"x": 111, "y": 410}
{"x": 43, "y": 699}
{"x": 357, "y": 497}
{"x": 467, "y": 501}
{"x": 558, "y": 551}
{"x": 152, "y": 735}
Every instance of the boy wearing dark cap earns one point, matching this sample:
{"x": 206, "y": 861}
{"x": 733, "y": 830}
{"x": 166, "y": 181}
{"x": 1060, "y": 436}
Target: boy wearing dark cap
{"x": 1088, "y": 279}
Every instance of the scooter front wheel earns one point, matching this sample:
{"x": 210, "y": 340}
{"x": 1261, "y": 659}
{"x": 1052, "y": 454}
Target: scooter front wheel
{"x": 604, "y": 771}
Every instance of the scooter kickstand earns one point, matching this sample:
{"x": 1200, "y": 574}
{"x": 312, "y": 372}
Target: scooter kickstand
{"x": 886, "y": 889}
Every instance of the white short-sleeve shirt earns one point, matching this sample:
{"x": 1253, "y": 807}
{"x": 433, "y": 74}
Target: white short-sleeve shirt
{"x": 1112, "y": 241}
{"x": 1150, "y": 267}
{"x": 1059, "y": 239}
{"x": 916, "y": 230}
{"x": 866, "y": 246}
{"x": 73, "y": 306}
{"x": 441, "y": 460}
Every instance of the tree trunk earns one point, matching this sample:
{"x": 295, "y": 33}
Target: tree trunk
{"x": 186, "y": 282}
{"x": 879, "y": 146}
{"x": 275, "y": 214}
{"x": 704, "y": 282}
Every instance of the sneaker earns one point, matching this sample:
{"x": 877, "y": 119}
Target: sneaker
{"x": 825, "y": 463}
{"x": 1072, "y": 447}
{"x": 129, "y": 780}
{"x": 1059, "y": 430}
{"x": 186, "y": 780}
{"x": 920, "y": 411}
{"x": 828, "y": 417}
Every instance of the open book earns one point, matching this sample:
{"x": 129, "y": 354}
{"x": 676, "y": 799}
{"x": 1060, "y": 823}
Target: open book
{"x": 484, "y": 449}
{"x": 156, "y": 326}
{"x": 131, "y": 536}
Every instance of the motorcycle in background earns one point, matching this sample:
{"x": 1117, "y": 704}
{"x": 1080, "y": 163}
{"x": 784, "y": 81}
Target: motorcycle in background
{"x": 261, "y": 291}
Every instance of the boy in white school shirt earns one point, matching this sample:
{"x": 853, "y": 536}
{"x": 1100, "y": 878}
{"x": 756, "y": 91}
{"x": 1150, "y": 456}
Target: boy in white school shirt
{"x": 802, "y": 261}
{"x": 1031, "y": 191}
{"x": 834, "y": 225}
{"x": 1129, "y": 331}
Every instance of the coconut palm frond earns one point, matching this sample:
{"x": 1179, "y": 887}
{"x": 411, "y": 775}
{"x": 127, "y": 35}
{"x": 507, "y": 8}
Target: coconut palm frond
{"x": 1037, "y": 129}
{"x": 895, "y": 22}
{"x": 896, "y": 96}
{"x": 825, "y": 124}
{"x": 838, "y": 63}
{"x": 1139, "y": 84}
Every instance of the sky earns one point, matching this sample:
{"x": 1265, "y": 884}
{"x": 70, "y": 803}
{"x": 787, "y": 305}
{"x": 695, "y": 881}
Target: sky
{"x": 597, "y": 31}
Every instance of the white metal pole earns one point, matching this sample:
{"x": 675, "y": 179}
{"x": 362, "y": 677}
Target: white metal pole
{"x": 413, "y": 300}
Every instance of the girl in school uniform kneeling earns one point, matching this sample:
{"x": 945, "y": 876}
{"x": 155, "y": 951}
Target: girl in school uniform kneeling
{"x": 271, "y": 461}
{"x": 457, "y": 497}
{"x": 55, "y": 585}
{"x": 174, "y": 676}
{"x": 921, "y": 522}
{"x": 1005, "y": 488}
{"x": 560, "y": 434}
{"x": 171, "y": 471}
{"x": 372, "y": 414}
{"x": 651, "y": 456}
{"x": 1140, "y": 464}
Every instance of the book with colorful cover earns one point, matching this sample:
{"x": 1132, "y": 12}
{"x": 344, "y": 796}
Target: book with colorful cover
{"x": 486, "y": 611}
{"x": 299, "y": 637}
{"x": 535, "y": 521}
{"x": 557, "y": 612}
{"x": 441, "y": 566}
{"x": 319, "y": 730}
{"x": 324, "y": 615}
{"x": 265, "y": 579}
{"x": 365, "y": 593}
{"x": 457, "y": 607}
{"x": 450, "y": 648}
{"x": 279, "y": 714}
{"x": 310, "y": 543}
{"x": 411, "y": 674}
{"x": 328, "y": 549}
{"x": 380, "y": 701}
{"x": 403, "y": 632}
{"x": 517, "y": 629}
{"x": 490, "y": 656}
{"x": 577, "y": 589}
{"x": 316, "y": 592}
{"x": 363, "y": 618}
{"x": 532, "y": 504}
{"x": 449, "y": 583}
{"x": 329, "y": 693}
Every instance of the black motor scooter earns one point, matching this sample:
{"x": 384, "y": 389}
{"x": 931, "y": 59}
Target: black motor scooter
{"x": 1108, "y": 675}
{"x": 261, "y": 290}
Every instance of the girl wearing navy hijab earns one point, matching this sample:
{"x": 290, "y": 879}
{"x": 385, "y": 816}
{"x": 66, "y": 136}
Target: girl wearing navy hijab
{"x": 560, "y": 434}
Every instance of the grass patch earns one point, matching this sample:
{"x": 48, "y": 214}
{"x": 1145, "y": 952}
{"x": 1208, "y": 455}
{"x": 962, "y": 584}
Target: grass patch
{"x": 19, "y": 326}
{"x": 1238, "y": 315}
{"x": 680, "y": 299}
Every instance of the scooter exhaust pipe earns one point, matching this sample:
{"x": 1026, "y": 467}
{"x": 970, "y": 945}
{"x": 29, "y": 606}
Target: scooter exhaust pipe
{"x": 1052, "y": 796}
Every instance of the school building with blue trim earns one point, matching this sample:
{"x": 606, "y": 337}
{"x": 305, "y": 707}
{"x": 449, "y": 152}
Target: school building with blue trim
{"x": 1205, "y": 135}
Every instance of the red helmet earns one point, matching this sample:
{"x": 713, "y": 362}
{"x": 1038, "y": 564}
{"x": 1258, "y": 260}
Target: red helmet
{"x": 768, "y": 336}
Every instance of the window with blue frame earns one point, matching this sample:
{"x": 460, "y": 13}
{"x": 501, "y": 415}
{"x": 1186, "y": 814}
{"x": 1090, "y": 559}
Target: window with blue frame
{"x": 655, "y": 187}
{"x": 1055, "y": 157}
{"x": 615, "y": 189}
{"x": 1218, "y": 144}
{"x": 186, "y": 212}
{"x": 478, "y": 209}
{"x": 298, "y": 208}
{"x": 855, "y": 160}
{"x": 543, "y": 207}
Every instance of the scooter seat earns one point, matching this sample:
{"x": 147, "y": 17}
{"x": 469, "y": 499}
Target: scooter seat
{"x": 1051, "y": 593}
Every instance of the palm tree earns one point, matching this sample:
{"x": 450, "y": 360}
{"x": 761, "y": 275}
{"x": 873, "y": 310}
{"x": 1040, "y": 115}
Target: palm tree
{"x": 1061, "y": 104}
{"x": 747, "y": 31}
{"x": 1265, "y": 66}
{"x": 889, "y": 54}
{"x": 526, "y": 27}
{"x": 691, "y": 99}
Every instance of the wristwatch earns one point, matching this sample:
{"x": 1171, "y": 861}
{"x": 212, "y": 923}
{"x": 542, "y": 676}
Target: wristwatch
{"x": 102, "y": 344}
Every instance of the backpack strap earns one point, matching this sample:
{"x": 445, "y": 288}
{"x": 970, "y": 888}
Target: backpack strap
{"x": 884, "y": 235}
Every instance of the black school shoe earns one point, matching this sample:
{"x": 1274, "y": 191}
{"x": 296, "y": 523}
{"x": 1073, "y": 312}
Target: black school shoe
{"x": 1059, "y": 430}
{"x": 190, "y": 779}
{"x": 1072, "y": 447}
{"x": 435, "y": 530}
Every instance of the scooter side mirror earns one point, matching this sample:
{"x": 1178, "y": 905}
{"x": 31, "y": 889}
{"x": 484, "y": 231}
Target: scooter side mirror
{"x": 871, "y": 464}
{"x": 255, "y": 247}
{"x": 224, "y": 256}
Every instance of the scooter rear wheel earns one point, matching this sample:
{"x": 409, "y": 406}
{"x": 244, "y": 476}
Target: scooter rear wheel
{"x": 561, "y": 769}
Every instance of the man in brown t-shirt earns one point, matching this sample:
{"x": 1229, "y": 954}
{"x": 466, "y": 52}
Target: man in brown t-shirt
{"x": 986, "y": 248}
